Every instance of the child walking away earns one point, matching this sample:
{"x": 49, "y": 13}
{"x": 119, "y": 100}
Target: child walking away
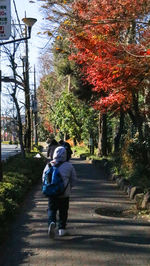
{"x": 67, "y": 146}
{"x": 60, "y": 203}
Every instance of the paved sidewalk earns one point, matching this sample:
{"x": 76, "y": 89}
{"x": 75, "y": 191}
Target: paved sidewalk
{"x": 92, "y": 240}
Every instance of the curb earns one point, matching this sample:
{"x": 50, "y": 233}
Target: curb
{"x": 135, "y": 193}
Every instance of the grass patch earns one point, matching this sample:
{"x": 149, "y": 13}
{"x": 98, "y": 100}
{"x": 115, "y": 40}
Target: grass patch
{"x": 78, "y": 150}
{"x": 85, "y": 151}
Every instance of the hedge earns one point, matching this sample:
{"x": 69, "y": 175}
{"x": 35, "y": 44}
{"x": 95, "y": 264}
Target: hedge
{"x": 19, "y": 175}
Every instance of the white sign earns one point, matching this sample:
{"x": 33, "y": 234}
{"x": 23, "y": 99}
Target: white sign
{"x": 5, "y": 19}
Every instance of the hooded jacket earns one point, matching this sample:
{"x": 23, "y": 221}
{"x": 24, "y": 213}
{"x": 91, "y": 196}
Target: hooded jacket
{"x": 66, "y": 169}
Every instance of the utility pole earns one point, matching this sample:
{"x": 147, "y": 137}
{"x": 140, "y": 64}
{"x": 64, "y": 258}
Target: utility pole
{"x": 27, "y": 98}
{"x": 35, "y": 110}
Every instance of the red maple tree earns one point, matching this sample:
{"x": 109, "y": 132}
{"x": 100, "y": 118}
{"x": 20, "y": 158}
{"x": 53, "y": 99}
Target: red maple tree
{"x": 111, "y": 41}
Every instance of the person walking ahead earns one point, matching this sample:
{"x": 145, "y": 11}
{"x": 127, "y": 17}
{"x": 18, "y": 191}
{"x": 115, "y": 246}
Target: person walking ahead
{"x": 53, "y": 144}
{"x": 60, "y": 203}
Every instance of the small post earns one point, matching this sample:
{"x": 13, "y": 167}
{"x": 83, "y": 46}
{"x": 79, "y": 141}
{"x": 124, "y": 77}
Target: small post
{"x": 91, "y": 144}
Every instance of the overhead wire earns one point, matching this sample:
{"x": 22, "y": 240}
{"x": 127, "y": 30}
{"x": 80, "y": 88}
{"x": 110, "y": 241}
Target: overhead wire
{"x": 17, "y": 16}
{"x": 17, "y": 26}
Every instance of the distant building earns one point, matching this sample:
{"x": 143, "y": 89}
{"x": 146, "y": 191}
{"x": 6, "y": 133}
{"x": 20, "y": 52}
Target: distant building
{"x": 9, "y": 129}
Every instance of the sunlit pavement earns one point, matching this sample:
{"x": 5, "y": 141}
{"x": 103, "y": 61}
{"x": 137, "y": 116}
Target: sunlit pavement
{"x": 9, "y": 150}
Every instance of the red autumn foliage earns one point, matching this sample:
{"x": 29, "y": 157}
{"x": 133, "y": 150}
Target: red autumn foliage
{"x": 112, "y": 48}
{"x": 48, "y": 127}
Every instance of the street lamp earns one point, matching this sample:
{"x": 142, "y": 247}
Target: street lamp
{"x": 29, "y": 22}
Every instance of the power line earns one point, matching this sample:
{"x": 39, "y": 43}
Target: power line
{"x": 17, "y": 17}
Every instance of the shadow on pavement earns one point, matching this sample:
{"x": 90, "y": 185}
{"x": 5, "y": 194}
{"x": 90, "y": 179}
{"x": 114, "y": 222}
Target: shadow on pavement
{"x": 91, "y": 240}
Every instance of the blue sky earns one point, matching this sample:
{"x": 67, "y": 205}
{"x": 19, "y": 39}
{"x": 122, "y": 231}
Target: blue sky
{"x": 36, "y": 43}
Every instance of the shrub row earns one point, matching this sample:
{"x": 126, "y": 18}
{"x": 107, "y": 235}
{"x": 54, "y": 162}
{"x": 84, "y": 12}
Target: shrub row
{"x": 19, "y": 175}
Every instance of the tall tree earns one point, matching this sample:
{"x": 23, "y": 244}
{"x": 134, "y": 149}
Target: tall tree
{"x": 17, "y": 85}
{"x": 48, "y": 92}
{"x": 110, "y": 42}
{"x": 111, "y": 46}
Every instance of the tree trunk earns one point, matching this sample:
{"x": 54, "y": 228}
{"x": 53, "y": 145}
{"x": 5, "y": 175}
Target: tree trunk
{"x": 69, "y": 83}
{"x": 74, "y": 142}
{"x": 102, "y": 143}
{"x": 138, "y": 117}
{"x": 20, "y": 131}
{"x": 138, "y": 122}
{"x": 119, "y": 133}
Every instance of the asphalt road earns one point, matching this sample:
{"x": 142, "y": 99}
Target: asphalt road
{"x": 9, "y": 150}
{"x": 92, "y": 240}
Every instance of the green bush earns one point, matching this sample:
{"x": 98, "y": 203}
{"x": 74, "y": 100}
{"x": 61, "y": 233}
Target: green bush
{"x": 18, "y": 177}
{"x": 78, "y": 150}
{"x": 140, "y": 177}
{"x": 37, "y": 148}
{"x": 2, "y": 211}
{"x": 137, "y": 173}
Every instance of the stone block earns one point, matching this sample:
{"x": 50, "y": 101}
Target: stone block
{"x": 139, "y": 198}
{"x": 125, "y": 189}
{"x": 118, "y": 178}
{"x": 129, "y": 190}
{"x": 123, "y": 182}
{"x": 135, "y": 190}
{"x": 146, "y": 200}
{"x": 113, "y": 177}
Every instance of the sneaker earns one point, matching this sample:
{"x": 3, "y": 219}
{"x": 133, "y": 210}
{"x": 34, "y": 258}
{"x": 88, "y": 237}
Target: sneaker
{"x": 62, "y": 232}
{"x": 51, "y": 230}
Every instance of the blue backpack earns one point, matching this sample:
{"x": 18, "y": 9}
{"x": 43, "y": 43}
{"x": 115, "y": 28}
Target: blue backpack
{"x": 53, "y": 184}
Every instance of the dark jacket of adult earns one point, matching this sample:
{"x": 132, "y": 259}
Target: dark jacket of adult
{"x": 51, "y": 148}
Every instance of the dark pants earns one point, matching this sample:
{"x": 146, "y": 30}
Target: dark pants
{"x": 61, "y": 205}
